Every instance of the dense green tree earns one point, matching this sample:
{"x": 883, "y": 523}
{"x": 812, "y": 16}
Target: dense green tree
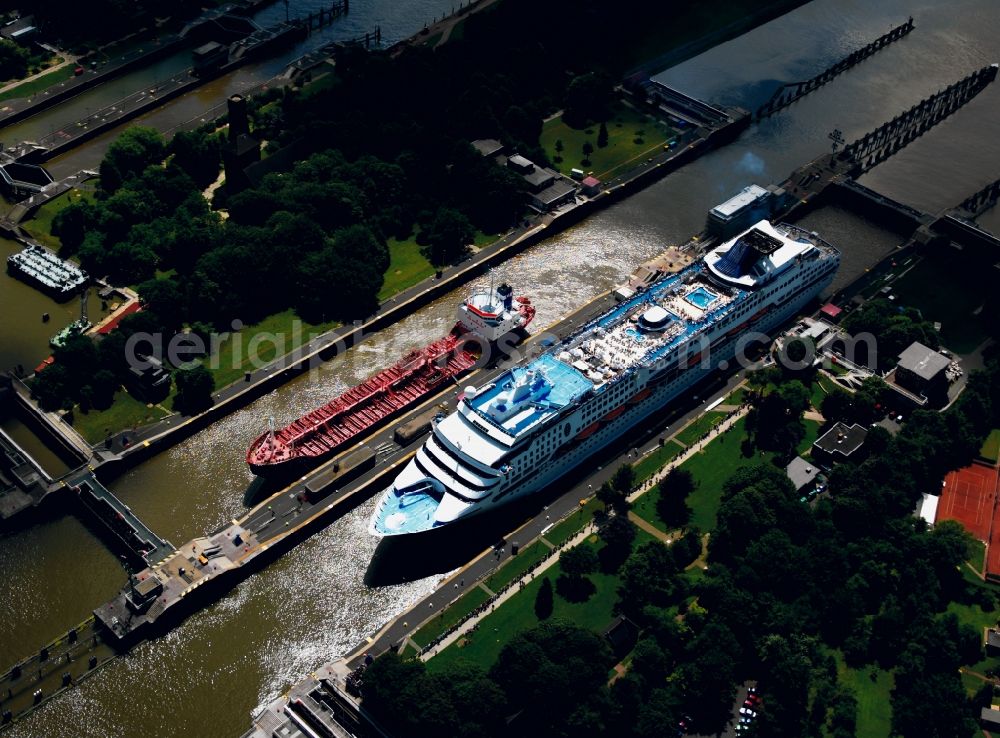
{"x": 602, "y": 136}
{"x": 776, "y": 420}
{"x": 617, "y": 532}
{"x": 649, "y": 577}
{"x": 194, "y": 390}
{"x": 579, "y": 560}
{"x": 70, "y": 226}
{"x": 198, "y": 153}
{"x": 13, "y": 60}
{"x": 128, "y": 156}
{"x": 893, "y": 327}
{"x": 588, "y": 97}
{"x": 688, "y": 548}
{"x": 837, "y": 406}
{"x": 550, "y": 671}
{"x": 448, "y": 236}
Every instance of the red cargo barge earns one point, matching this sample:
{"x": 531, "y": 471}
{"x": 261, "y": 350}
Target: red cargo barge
{"x": 321, "y": 433}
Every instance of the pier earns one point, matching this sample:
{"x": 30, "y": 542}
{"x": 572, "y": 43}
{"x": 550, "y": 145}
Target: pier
{"x": 330, "y": 51}
{"x": 793, "y": 91}
{"x": 875, "y": 147}
{"x": 138, "y": 540}
{"x": 978, "y": 203}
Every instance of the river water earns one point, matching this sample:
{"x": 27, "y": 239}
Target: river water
{"x": 208, "y": 675}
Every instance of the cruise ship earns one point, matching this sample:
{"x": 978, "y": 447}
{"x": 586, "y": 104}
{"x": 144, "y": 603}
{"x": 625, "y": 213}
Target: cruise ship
{"x": 537, "y": 421}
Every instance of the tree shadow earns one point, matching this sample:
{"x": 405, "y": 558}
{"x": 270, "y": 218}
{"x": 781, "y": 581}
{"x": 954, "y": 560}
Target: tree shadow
{"x": 575, "y": 589}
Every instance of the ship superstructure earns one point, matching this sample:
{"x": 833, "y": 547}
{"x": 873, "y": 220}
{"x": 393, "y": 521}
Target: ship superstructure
{"x": 488, "y": 315}
{"x": 540, "y": 419}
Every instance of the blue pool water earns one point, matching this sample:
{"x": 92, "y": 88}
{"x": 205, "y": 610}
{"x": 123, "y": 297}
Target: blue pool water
{"x": 701, "y": 298}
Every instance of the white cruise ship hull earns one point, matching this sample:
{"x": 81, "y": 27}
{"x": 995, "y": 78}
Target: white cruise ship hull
{"x": 419, "y": 500}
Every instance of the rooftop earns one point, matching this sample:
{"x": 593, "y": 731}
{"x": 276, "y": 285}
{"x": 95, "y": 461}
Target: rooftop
{"x": 746, "y": 196}
{"x": 842, "y": 438}
{"x": 558, "y": 189}
{"x": 925, "y": 362}
{"x": 801, "y": 472}
{"x": 487, "y": 146}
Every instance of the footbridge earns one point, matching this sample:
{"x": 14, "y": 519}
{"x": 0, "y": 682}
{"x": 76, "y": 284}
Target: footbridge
{"x": 793, "y": 91}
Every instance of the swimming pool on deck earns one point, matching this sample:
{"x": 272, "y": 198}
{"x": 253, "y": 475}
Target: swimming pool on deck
{"x": 701, "y": 298}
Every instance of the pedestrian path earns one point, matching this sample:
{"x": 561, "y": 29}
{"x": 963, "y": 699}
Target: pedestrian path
{"x": 511, "y": 591}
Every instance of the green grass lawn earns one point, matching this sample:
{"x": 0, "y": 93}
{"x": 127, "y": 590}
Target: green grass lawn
{"x": 516, "y": 566}
{"x": 710, "y": 468}
{"x": 125, "y": 412}
{"x": 735, "y": 397}
{"x": 991, "y": 446}
{"x": 874, "y": 706}
{"x": 625, "y": 148}
{"x": 978, "y": 556}
{"x": 819, "y": 389}
{"x": 947, "y": 290}
{"x": 518, "y": 613}
{"x": 648, "y": 465}
{"x": 694, "y": 431}
{"x": 40, "y": 225}
{"x": 43, "y": 82}
{"x": 573, "y": 524}
{"x": 450, "y": 616}
{"x": 407, "y": 267}
{"x": 234, "y": 357}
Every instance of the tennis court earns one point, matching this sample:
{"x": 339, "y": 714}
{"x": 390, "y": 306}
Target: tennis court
{"x": 969, "y": 496}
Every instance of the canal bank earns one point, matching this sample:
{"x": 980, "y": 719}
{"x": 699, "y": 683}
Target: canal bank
{"x": 147, "y": 441}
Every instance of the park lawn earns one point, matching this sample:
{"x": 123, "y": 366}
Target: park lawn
{"x": 450, "y": 616}
{"x": 978, "y": 556}
{"x": 125, "y": 412}
{"x": 735, "y": 397}
{"x": 710, "y": 468}
{"x": 40, "y": 83}
{"x": 973, "y": 615}
{"x": 818, "y": 390}
{"x": 573, "y": 524}
{"x": 518, "y": 613}
{"x": 812, "y": 433}
{"x": 516, "y": 566}
{"x": 947, "y": 290}
{"x": 696, "y": 430}
{"x": 991, "y": 446}
{"x": 407, "y": 267}
{"x": 279, "y": 334}
{"x": 648, "y": 465}
{"x": 40, "y": 225}
{"x": 874, "y": 706}
{"x": 622, "y": 151}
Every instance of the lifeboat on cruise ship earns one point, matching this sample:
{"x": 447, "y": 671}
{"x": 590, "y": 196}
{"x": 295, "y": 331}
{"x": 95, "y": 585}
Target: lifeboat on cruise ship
{"x": 588, "y": 431}
{"x": 640, "y": 396}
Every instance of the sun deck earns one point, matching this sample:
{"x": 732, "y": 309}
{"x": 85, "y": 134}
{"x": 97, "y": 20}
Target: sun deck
{"x": 649, "y": 326}
{"x": 528, "y": 394}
